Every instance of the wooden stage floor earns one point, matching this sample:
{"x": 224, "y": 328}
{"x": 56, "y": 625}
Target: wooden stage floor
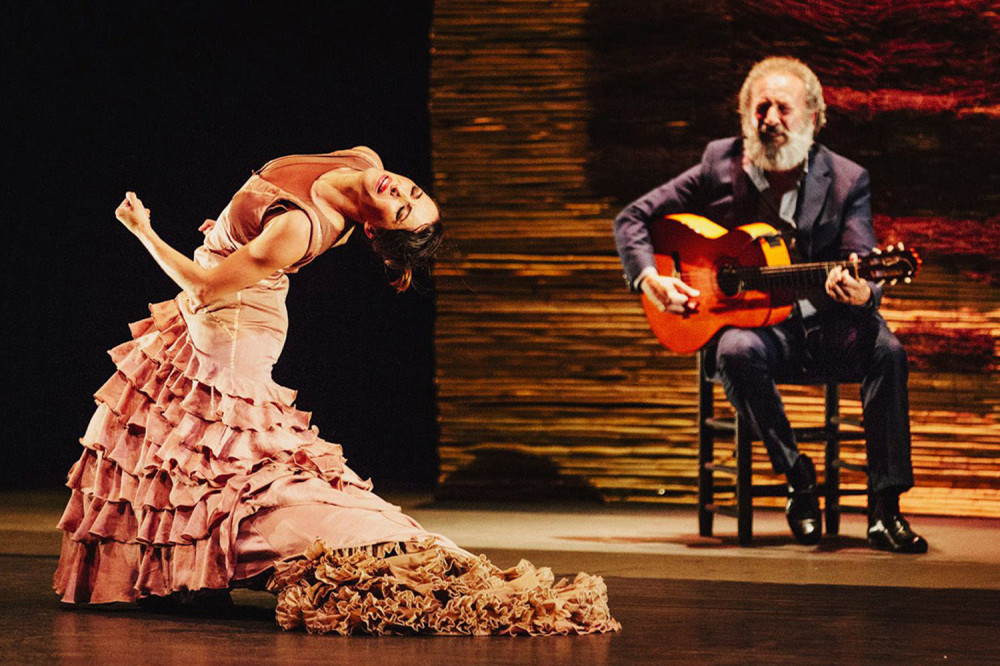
{"x": 680, "y": 599}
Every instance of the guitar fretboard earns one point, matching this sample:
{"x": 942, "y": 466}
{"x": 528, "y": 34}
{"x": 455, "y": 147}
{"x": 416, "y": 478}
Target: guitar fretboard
{"x": 768, "y": 278}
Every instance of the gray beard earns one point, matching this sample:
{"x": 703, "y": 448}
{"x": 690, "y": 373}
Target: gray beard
{"x": 769, "y": 157}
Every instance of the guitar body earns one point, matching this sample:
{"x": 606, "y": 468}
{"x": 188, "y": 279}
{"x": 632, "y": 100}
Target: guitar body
{"x": 698, "y": 251}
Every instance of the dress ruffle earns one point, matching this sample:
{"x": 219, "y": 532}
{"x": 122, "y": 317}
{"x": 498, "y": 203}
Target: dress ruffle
{"x": 172, "y": 344}
{"x": 179, "y": 451}
{"x": 182, "y": 450}
{"x": 426, "y": 589}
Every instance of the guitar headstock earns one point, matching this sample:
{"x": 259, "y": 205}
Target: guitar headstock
{"x": 892, "y": 264}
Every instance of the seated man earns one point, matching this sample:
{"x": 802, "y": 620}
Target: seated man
{"x": 820, "y": 203}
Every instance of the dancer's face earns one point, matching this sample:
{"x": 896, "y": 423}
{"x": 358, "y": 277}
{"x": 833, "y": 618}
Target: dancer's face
{"x": 391, "y": 201}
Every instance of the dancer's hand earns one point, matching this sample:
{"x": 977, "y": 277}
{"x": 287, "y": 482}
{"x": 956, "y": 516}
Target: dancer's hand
{"x": 670, "y": 294}
{"x": 133, "y": 214}
{"x": 845, "y": 288}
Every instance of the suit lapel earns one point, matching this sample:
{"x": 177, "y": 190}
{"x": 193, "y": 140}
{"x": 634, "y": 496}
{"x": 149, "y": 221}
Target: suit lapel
{"x": 744, "y": 193}
{"x": 812, "y": 196}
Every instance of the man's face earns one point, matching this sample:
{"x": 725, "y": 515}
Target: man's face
{"x": 778, "y": 125}
{"x": 778, "y": 105}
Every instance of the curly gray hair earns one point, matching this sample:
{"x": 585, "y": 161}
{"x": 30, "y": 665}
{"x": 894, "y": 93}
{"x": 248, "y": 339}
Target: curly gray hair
{"x": 795, "y": 67}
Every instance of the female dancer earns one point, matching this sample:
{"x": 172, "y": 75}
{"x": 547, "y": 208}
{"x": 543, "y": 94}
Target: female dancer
{"x": 198, "y": 474}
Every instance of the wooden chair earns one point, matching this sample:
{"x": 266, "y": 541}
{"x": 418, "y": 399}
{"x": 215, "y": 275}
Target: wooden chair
{"x": 711, "y": 428}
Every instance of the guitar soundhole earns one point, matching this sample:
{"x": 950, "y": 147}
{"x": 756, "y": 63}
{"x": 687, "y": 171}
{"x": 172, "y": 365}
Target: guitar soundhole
{"x": 729, "y": 282}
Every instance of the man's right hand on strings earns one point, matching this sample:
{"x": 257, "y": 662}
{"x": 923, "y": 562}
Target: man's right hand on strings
{"x": 669, "y": 294}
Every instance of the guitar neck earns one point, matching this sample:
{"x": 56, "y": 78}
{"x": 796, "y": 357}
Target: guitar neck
{"x": 795, "y": 276}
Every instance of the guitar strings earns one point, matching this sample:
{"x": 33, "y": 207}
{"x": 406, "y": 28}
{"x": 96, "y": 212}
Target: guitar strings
{"x": 792, "y": 269}
{"x": 805, "y": 271}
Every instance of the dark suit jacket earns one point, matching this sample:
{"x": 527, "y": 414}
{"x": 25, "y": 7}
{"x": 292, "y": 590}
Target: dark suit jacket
{"x": 833, "y": 216}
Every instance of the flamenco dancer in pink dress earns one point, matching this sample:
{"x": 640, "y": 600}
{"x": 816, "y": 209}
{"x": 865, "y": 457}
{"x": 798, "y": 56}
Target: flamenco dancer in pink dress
{"x": 199, "y": 474}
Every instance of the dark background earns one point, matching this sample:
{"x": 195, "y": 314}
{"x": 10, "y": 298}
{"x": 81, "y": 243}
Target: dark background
{"x": 179, "y": 101}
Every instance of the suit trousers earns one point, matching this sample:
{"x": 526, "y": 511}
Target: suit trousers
{"x": 842, "y": 344}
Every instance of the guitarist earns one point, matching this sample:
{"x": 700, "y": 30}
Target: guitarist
{"x": 821, "y": 203}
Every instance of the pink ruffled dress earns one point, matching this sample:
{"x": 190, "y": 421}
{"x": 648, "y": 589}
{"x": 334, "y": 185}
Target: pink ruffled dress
{"x": 198, "y": 473}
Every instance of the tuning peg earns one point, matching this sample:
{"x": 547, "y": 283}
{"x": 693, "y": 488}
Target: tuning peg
{"x": 889, "y": 248}
{"x": 876, "y": 250}
{"x": 900, "y": 245}
{"x": 907, "y": 280}
{"x": 892, "y": 281}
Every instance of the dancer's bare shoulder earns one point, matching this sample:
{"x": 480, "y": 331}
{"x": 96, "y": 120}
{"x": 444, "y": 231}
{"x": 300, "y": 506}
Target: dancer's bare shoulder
{"x": 370, "y": 153}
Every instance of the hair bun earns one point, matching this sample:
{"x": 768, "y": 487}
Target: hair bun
{"x": 404, "y": 250}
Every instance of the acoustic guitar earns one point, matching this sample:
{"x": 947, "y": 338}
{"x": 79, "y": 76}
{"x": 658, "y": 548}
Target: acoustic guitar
{"x": 745, "y": 276}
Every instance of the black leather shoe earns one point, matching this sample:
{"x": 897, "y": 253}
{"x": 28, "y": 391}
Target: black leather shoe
{"x": 894, "y": 535}
{"x": 802, "y": 507}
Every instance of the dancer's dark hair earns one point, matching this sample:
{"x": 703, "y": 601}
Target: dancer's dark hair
{"x": 403, "y": 250}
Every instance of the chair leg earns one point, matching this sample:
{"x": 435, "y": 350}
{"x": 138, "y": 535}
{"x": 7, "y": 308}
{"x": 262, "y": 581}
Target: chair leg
{"x": 706, "y": 453}
{"x": 744, "y": 481}
{"x": 832, "y": 480}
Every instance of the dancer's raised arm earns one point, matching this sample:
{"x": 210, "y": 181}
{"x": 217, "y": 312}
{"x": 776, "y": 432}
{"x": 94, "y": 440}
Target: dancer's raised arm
{"x": 283, "y": 241}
